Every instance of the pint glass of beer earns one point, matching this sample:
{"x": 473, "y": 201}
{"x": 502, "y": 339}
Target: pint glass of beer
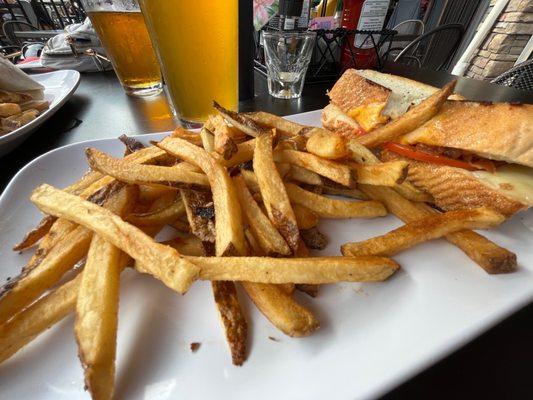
{"x": 120, "y": 26}
{"x": 197, "y": 46}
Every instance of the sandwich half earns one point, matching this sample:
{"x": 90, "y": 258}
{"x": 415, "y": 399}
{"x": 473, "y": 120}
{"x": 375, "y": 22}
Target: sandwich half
{"x": 469, "y": 155}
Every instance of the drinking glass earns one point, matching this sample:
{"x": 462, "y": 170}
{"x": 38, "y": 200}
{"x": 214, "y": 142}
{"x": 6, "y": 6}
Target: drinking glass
{"x": 197, "y": 46}
{"x": 287, "y": 56}
{"x": 121, "y": 29}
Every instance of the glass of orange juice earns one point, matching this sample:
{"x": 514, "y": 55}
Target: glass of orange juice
{"x": 197, "y": 46}
{"x": 120, "y": 26}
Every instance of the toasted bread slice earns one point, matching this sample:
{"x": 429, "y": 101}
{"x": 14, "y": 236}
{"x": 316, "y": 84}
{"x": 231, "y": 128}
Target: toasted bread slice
{"x": 456, "y": 188}
{"x": 499, "y": 131}
{"x": 333, "y": 119}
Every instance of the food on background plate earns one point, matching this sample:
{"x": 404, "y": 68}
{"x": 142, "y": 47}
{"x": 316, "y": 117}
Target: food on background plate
{"x": 245, "y": 198}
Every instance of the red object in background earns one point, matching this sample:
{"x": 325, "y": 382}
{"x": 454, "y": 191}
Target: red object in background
{"x": 364, "y": 58}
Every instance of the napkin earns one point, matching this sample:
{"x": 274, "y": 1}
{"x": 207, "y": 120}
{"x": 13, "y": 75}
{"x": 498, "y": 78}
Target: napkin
{"x": 13, "y": 79}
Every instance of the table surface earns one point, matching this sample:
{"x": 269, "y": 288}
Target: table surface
{"x": 496, "y": 364}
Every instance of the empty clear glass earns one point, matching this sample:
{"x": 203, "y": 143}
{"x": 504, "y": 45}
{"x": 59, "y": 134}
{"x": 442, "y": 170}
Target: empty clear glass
{"x": 287, "y": 56}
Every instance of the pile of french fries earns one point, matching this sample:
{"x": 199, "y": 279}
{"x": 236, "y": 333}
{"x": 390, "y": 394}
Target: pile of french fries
{"x": 18, "y": 109}
{"x": 244, "y": 198}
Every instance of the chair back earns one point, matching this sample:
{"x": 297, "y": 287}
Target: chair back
{"x": 518, "y": 77}
{"x": 10, "y": 27}
{"x": 434, "y": 49}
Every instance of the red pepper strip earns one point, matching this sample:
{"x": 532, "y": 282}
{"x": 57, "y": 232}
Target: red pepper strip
{"x": 424, "y": 156}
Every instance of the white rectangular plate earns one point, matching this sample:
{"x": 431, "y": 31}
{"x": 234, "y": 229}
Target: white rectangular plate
{"x": 373, "y": 336}
{"x": 58, "y": 87}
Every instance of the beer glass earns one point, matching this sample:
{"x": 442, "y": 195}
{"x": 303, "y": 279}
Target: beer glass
{"x": 120, "y": 26}
{"x": 197, "y": 46}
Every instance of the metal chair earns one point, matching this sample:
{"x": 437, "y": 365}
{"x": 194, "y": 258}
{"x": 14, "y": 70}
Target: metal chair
{"x": 434, "y": 49}
{"x": 9, "y": 28}
{"x": 518, "y": 77}
{"x": 407, "y": 31}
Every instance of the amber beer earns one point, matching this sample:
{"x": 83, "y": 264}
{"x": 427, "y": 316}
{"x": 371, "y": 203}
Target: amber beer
{"x": 128, "y": 45}
{"x": 197, "y": 46}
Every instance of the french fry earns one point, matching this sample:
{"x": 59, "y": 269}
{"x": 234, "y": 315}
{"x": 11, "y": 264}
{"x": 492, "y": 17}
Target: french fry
{"x": 45, "y": 312}
{"x": 350, "y": 193}
{"x": 189, "y": 136}
{"x": 232, "y": 317}
{"x": 273, "y": 192}
{"x": 412, "y": 119}
{"x": 8, "y": 109}
{"x": 36, "y": 234}
{"x": 251, "y": 181}
{"x": 303, "y": 175}
{"x": 175, "y": 176}
{"x": 150, "y": 193}
{"x": 283, "y": 126}
{"x": 428, "y": 228}
{"x": 488, "y": 255}
{"x": 281, "y": 310}
{"x": 326, "y": 207}
{"x": 245, "y": 152}
{"x": 314, "y": 239}
{"x": 164, "y": 216}
{"x": 13, "y": 97}
{"x": 201, "y": 227}
{"x": 240, "y": 121}
{"x": 325, "y": 144}
{"x": 16, "y": 121}
{"x": 39, "y": 105}
{"x": 28, "y": 286}
{"x": 337, "y": 172}
{"x": 223, "y": 142}
{"x": 97, "y": 317}
{"x": 310, "y": 270}
{"x": 269, "y": 239}
{"x": 309, "y": 289}
{"x": 189, "y": 246}
{"x": 389, "y": 173}
{"x": 208, "y": 140}
{"x": 132, "y": 145}
{"x": 305, "y": 218}
{"x": 161, "y": 261}
{"x": 229, "y": 232}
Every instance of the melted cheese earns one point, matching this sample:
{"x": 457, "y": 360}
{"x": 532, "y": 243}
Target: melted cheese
{"x": 513, "y": 180}
{"x": 369, "y": 116}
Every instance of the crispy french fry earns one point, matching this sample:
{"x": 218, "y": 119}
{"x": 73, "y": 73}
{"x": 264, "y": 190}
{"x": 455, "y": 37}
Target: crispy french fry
{"x": 283, "y": 126}
{"x": 350, "y": 193}
{"x": 269, "y": 239}
{"x": 273, "y": 192}
{"x": 158, "y": 260}
{"x": 39, "y": 105}
{"x": 422, "y": 230}
{"x": 251, "y": 181}
{"x": 201, "y": 227}
{"x": 240, "y": 121}
{"x": 305, "y": 218}
{"x": 36, "y": 234}
{"x": 488, "y": 255}
{"x": 337, "y": 172}
{"x": 229, "y": 231}
{"x": 8, "y": 109}
{"x": 124, "y": 171}
{"x": 389, "y": 173}
{"x": 309, "y": 289}
{"x": 208, "y": 140}
{"x": 189, "y": 246}
{"x": 150, "y": 193}
{"x": 160, "y": 217}
{"x": 14, "y": 97}
{"x": 232, "y": 317}
{"x": 303, "y": 175}
{"x": 45, "y": 312}
{"x": 28, "y": 286}
{"x": 326, "y": 144}
{"x": 189, "y": 136}
{"x": 326, "y": 207}
{"x": 245, "y": 152}
{"x": 295, "y": 270}
{"x": 223, "y": 142}
{"x": 314, "y": 239}
{"x": 97, "y": 317}
{"x": 281, "y": 310}
{"x": 411, "y": 120}
{"x": 17, "y": 120}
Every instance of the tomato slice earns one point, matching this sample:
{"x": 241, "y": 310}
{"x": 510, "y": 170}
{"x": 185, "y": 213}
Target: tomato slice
{"x": 425, "y": 156}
